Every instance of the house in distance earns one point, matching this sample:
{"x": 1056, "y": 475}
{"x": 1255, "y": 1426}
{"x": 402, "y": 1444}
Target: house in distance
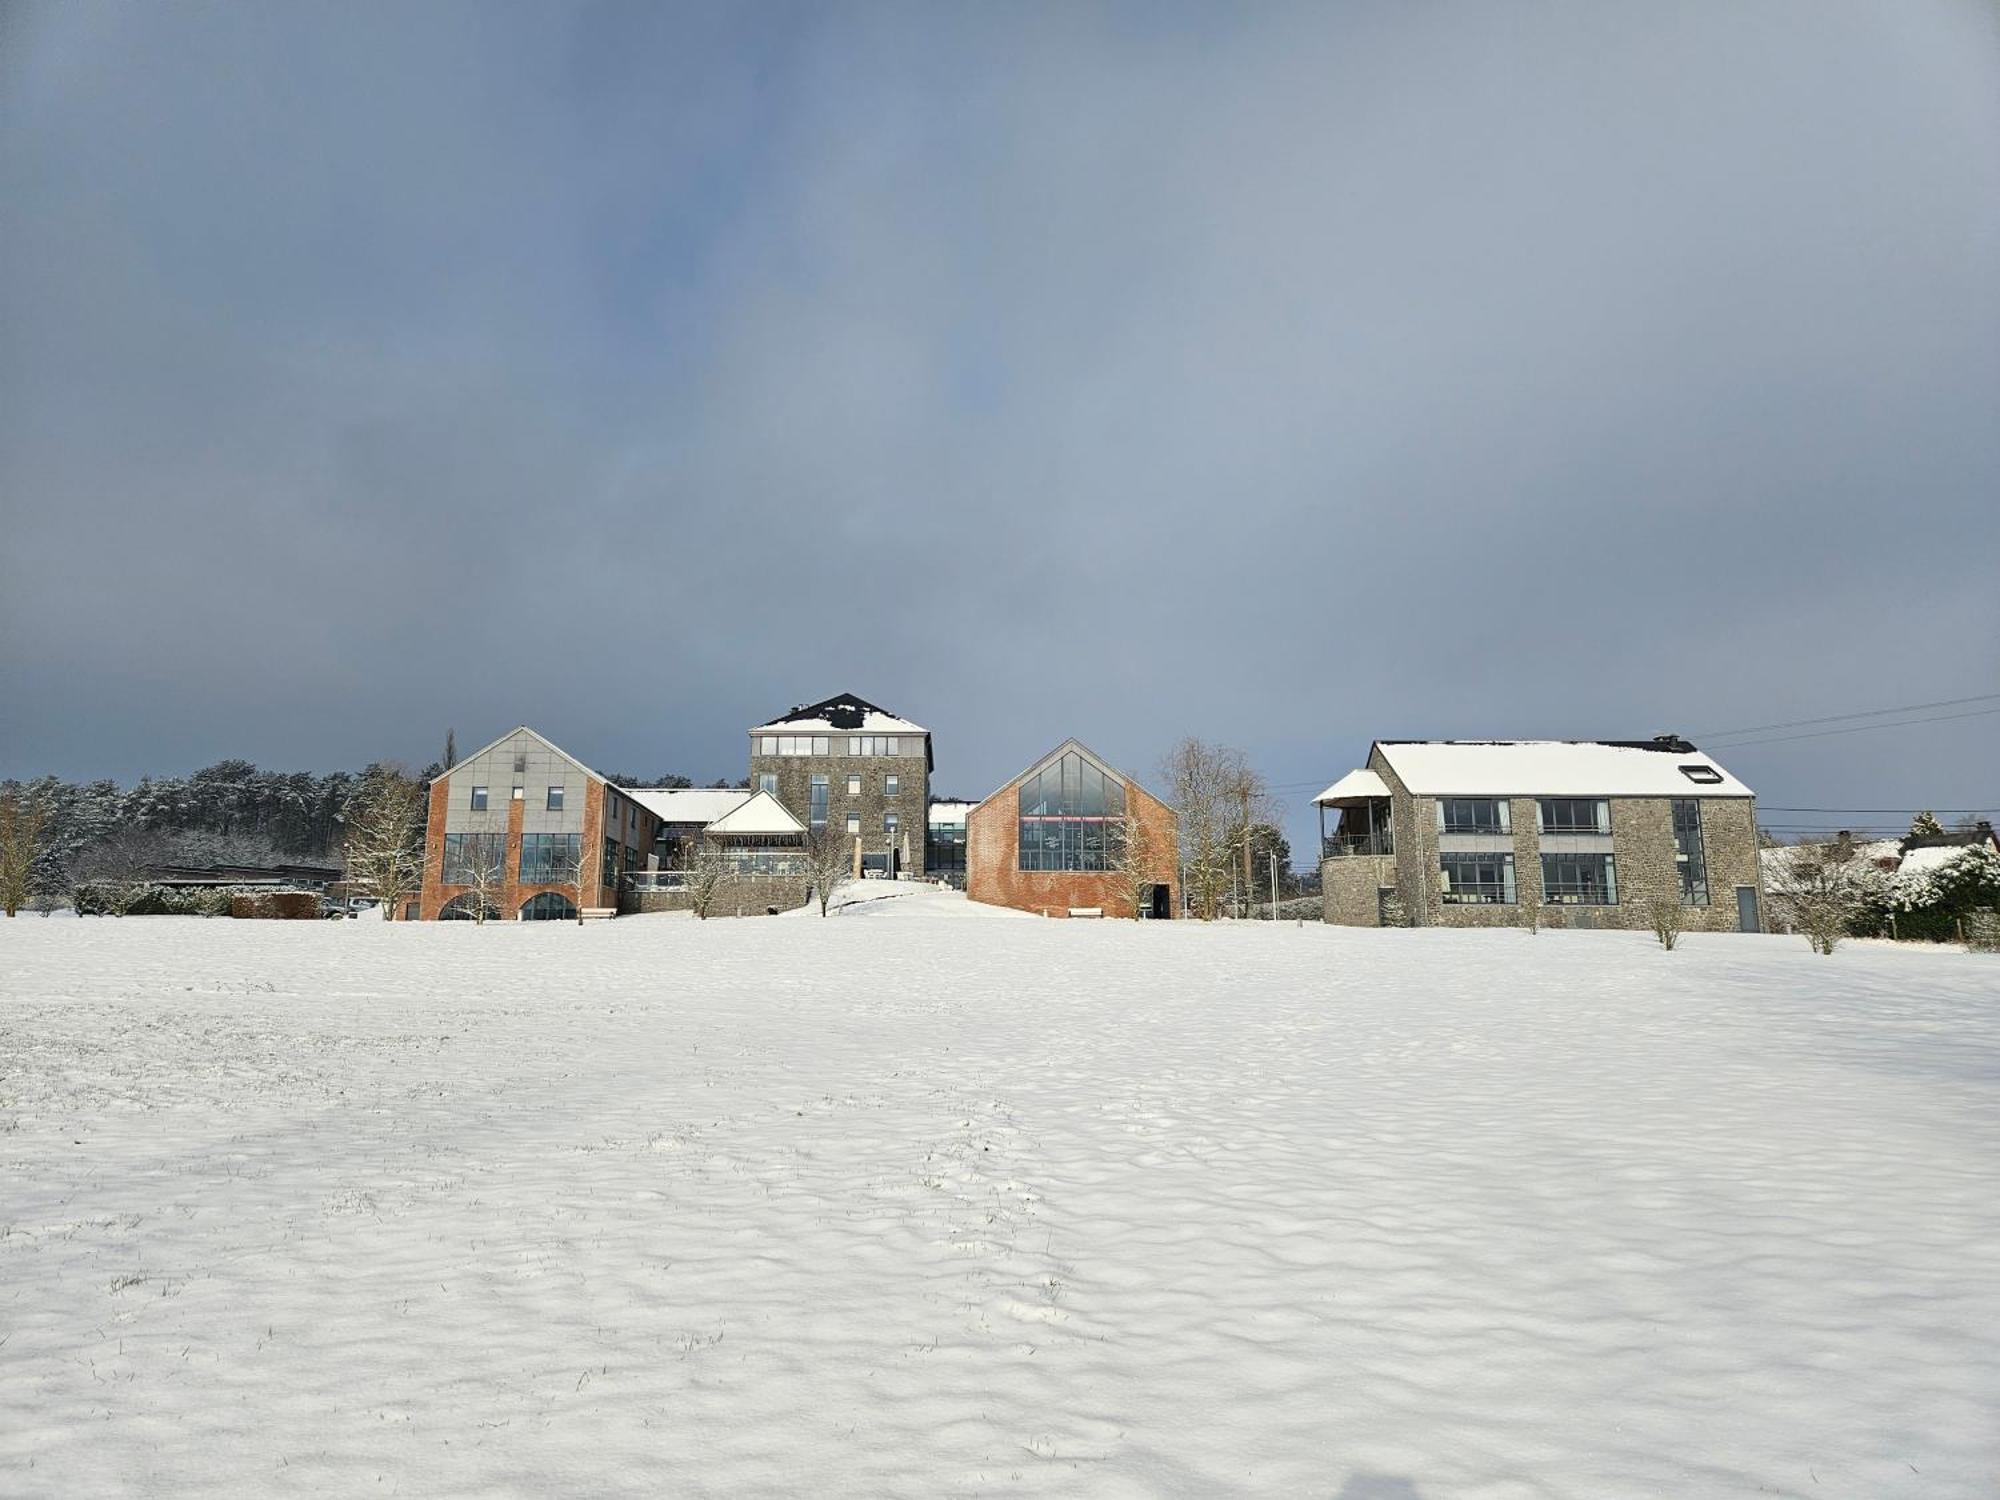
{"x": 1468, "y": 833}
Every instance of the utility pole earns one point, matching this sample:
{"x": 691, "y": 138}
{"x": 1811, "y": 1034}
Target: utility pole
{"x": 1274, "y": 887}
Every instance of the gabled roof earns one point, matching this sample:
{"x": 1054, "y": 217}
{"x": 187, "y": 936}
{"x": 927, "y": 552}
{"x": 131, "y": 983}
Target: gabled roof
{"x": 760, "y": 813}
{"x": 842, "y": 714}
{"x": 522, "y": 729}
{"x": 1065, "y": 747}
{"x": 1666, "y": 767}
{"x": 689, "y": 804}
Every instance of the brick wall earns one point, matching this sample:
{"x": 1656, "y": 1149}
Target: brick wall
{"x": 993, "y": 872}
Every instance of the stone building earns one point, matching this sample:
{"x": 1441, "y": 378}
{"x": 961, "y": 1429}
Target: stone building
{"x": 516, "y": 820}
{"x": 1578, "y": 833}
{"x": 1048, "y": 841}
{"x": 861, "y": 769}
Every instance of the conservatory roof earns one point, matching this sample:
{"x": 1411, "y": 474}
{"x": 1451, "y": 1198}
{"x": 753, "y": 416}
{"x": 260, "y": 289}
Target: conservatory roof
{"x": 1355, "y": 786}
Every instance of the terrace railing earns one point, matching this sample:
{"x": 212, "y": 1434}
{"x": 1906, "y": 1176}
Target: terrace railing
{"x": 1348, "y": 845}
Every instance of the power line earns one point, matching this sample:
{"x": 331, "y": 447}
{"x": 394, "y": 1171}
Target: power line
{"x": 1872, "y": 713}
{"x": 1820, "y": 734}
{"x": 1913, "y": 808}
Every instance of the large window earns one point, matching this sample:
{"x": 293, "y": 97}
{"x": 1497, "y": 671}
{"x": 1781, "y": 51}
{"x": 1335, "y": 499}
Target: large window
{"x": 1067, "y": 811}
{"x": 944, "y": 851}
{"x": 816, "y": 807}
{"x": 549, "y": 858}
{"x": 1473, "y": 815}
{"x": 550, "y": 906}
{"x": 793, "y": 744}
{"x": 1575, "y": 815}
{"x": 1477, "y": 879}
{"x": 874, "y": 744}
{"x": 1579, "y": 880}
{"x": 475, "y": 858}
{"x": 608, "y": 874}
{"x": 1688, "y": 853}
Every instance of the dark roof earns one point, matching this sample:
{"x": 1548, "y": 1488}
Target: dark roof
{"x": 842, "y": 711}
{"x": 1960, "y": 838}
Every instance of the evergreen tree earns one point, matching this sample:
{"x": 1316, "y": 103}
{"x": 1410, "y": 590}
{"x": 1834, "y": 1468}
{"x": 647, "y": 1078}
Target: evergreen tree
{"x": 450, "y": 748}
{"x": 1925, "y": 826}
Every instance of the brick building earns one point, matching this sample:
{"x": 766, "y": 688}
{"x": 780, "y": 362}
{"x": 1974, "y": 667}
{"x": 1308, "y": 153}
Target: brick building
{"x": 846, "y": 763}
{"x": 1459, "y": 833}
{"x": 1048, "y": 840}
{"x": 534, "y": 826}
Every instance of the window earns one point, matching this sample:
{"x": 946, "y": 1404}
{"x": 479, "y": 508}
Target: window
{"x": 1066, "y": 811}
{"x": 1477, "y": 879}
{"x": 550, "y": 906}
{"x": 555, "y": 799}
{"x": 479, "y": 799}
{"x": 520, "y": 763}
{"x": 767, "y": 781}
{"x": 854, "y": 783}
{"x": 873, "y": 744}
{"x": 890, "y": 822}
{"x": 891, "y": 784}
{"x": 1473, "y": 815}
{"x": 475, "y": 858}
{"x": 795, "y": 744}
{"x": 816, "y": 809}
{"x": 854, "y": 822}
{"x": 1575, "y": 815}
{"x": 1579, "y": 880}
{"x": 768, "y": 745}
{"x": 519, "y": 791}
{"x": 549, "y": 858}
{"x": 1688, "y": 853}
{"x": 1705, "y": 775}
{"x": 608, "y": 874}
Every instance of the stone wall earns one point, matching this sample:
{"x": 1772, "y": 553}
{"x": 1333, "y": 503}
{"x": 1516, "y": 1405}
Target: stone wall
{"x": 872, "y": 803}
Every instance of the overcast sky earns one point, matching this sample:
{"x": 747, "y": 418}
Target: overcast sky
{"x": 1289, "y": 377}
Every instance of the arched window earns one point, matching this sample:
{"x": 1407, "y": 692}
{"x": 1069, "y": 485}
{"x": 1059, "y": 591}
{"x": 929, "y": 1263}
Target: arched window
{"x": 1070, "y": 812}
{"x": 550, "y": 906}
{"x": 465, "y": 908}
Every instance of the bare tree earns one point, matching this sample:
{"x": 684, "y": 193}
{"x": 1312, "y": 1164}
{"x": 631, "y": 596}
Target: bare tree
{"x": 1203, "y": 783}
{"x": 384, "y": 848}
{"x": 575, "y": 873}
{"x": 829, "y": 856}
{"x": 21, "y": 822}
{"x": 1669, "y": 914}
{"x": 707, "y": 874}
{"x": 1819, "y": 891}
{"x": 1133, "y": 861}
{"x": 1249, "y": 801}
{"x": 484, "y": 876}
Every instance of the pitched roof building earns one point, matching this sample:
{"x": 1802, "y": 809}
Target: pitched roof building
{"x": 1586, "y": 832}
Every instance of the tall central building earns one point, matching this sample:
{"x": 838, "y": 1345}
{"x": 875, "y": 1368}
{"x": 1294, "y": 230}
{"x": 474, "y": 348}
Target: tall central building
{"x": 846, "y": 764}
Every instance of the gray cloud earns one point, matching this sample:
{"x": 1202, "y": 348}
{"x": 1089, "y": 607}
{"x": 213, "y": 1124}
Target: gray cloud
{"x": 1286, "y": 375}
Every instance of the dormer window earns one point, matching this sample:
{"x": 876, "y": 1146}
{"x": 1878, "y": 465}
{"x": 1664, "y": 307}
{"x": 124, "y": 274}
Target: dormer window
{"x": 1702, "y": 775}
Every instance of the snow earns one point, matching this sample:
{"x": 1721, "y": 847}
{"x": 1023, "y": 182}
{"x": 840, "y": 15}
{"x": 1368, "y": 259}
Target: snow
{"x": 933, "y": 1199}
{"x": 759, "y": 814}
{"x": 698, "y": 804}
{"x": 1355, "y": 784}
{"x": 1549, "y": 768}
{"x": 945, "y": 814}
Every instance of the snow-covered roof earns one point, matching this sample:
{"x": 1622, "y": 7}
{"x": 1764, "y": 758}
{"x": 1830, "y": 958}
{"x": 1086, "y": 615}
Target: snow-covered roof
{"x": 758, "y": 814}
{"x": 689, "y": 804}
{"x": 844, "y": 714}
{"x": 1355, "y": 785}
{"x": 1932, "y": 857}
{"x": 950, "y": 812}
{"x": 1557, "y": 768}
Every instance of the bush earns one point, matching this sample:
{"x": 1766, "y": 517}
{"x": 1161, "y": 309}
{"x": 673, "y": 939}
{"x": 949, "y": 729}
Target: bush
{"x": 118, "y": 898}
{"x": 1982, "y": 931}
{"x": 275, "y": 905}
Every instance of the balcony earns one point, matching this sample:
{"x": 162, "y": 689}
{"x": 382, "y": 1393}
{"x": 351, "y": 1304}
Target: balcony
{"x": 1349, "y": 845}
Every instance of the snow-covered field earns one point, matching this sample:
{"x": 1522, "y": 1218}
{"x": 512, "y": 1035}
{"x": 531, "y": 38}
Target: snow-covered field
{"x": 925, "y": 1200}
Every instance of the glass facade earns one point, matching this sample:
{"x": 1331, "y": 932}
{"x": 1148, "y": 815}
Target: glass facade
{"x": 1477, "y": 879}
{"x": 550, "y": 906}
{"x": 944, "y": 852}
{"x": 1579, "y": 880}
{"x": 1067, "y": 811}
{"x": 549, "y": 858}
{"x": 472, "y": 857}
{"x": 873, "y": 744}
{"x": 793, "y": 744}
{"x": 1473, "y": 815}
{"x": 1575, "y": 815}
{"x": 1689, "y": 856}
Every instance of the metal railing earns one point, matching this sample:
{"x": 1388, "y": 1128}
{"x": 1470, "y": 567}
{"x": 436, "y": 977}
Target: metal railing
{"x": 1344, "y": 845}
